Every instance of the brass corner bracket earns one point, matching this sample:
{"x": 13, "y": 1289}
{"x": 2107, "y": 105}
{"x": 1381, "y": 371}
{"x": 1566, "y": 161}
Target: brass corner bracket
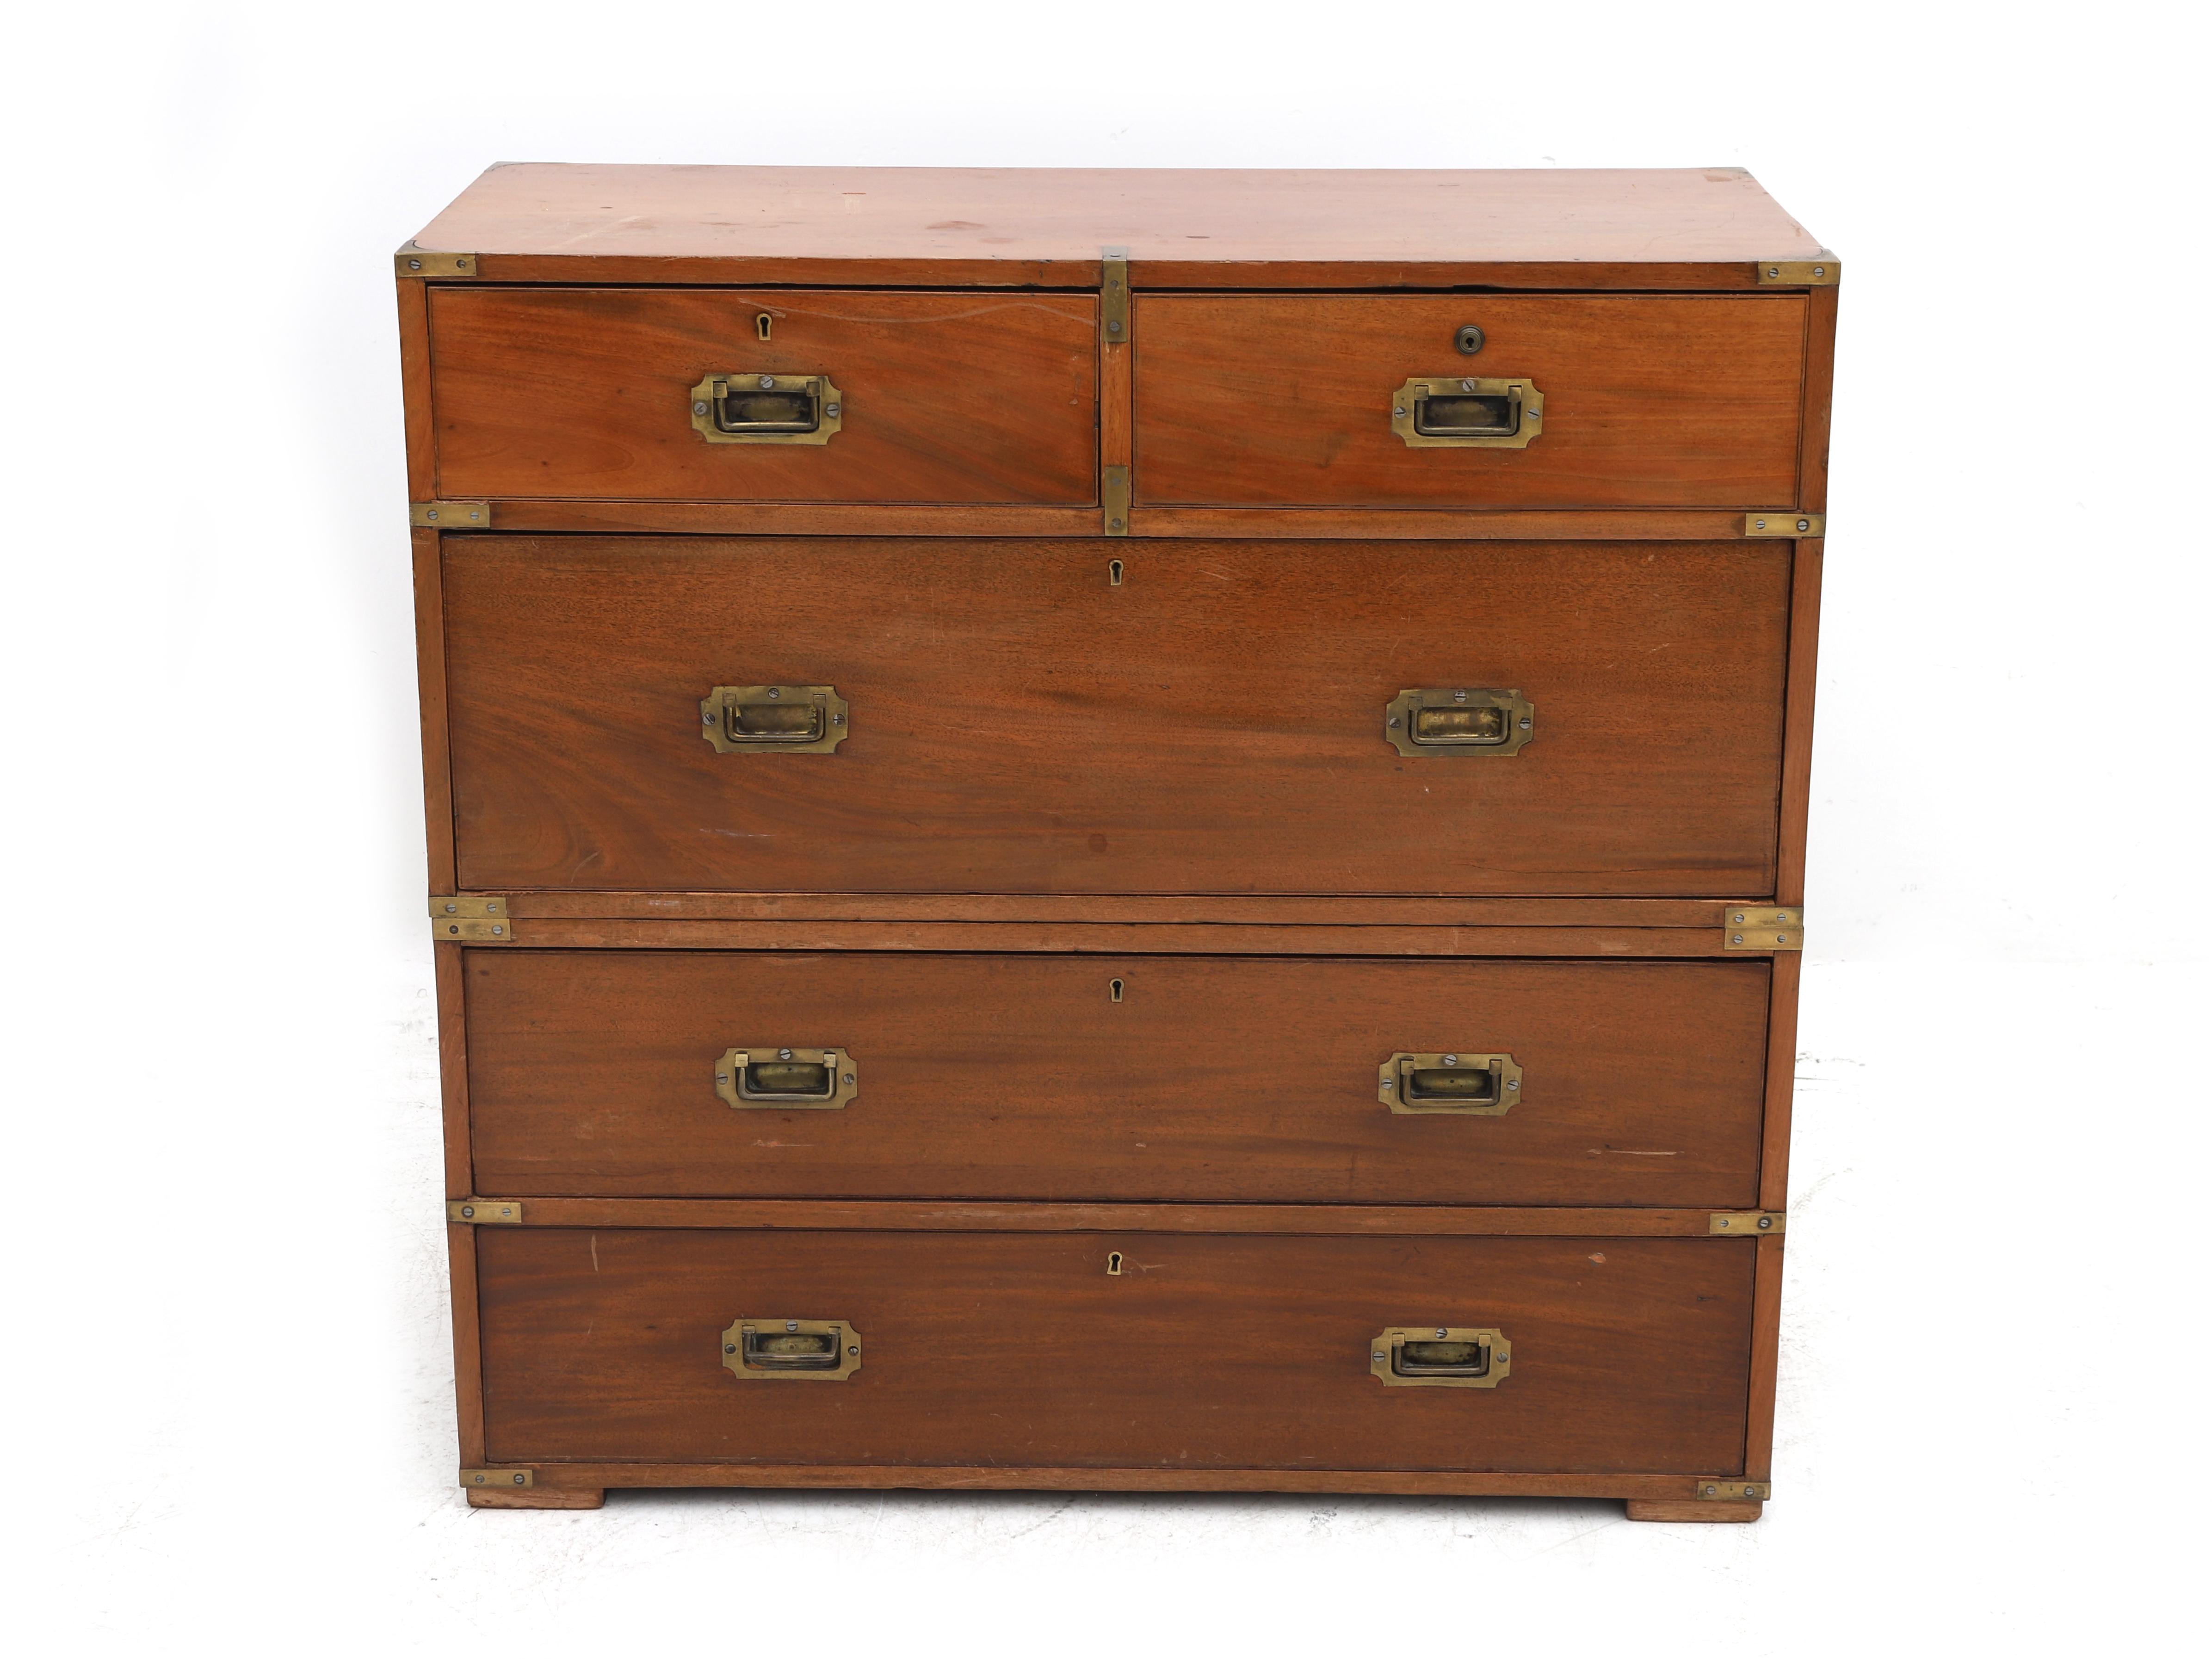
{"x": 1734, "y": 1490}
{"x": 449, "y": 515}
{"x": 1114, "y": 295}
{"x": 462, "y": 921}
{"x": 1116, "y": 490}
{"x": 1785, "y": 522}
{"x": 484, "y": 1212}
{"x": 508, "y": 1478}
{"x": 1826, "y": 271}
{"x": 413, "y": 261}
{"x": 1762, "y": 928}
{"x": 1740, "y": 1224}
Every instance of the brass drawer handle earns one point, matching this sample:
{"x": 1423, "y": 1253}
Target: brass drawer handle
{"x": 1471, "y": 1085}
{"x": 1441, "y": 1357}
{"x": 792, "y": 719}
{"x": 1459, "y": 721}
{"x": 1458, "y": 411}
{"x": 787, "y": 1079}
{"x": 749, "y": 407}
{"x": 798, "y": 1350}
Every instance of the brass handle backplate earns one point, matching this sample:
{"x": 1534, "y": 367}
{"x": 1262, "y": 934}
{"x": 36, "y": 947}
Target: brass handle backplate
{"x": 790, "y": 720}
{"x": 1454, "y": 411}
{"x": 749, "y": 407}
{"x": 1459, "y": 720}
{"x": 1440, "y": 1357}
{"x": 1471, "y": 1085}
{"x": 795, "y": 1350}
{"x": 788, "y": 1079}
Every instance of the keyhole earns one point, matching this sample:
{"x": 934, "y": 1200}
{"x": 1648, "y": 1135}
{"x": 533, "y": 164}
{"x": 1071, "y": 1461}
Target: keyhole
{"x": 764, "y": 323}
{"x": 1114, "y": 989}
{"x": 1113, "y": 573}
{"x": 1114, "y": 1263}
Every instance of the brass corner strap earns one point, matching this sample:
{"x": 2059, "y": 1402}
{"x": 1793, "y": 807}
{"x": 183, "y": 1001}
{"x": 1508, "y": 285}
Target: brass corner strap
{"x": 1744, "y": 1222}
{"x": 1785, "y": 522}
{"x": 1762, "y": 928}
{"x": 508, "y": 1478}
{"x": 413, "y": 261}
{"x": 484, "y": 1212}
{"x": 449, "y": 515}
{"x": 459, "y": 920}
{"x": 1117, "y": 493}
{"x": 1114, "y": 295}
{"x": 1733, "y": 1490}
{"x": 1825, "y": 271}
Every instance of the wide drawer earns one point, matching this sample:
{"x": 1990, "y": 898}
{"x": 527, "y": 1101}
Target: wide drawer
{"x": 596, "y": 394}
{"x": 1070, "y": 717}
{"x": 1142, "y": 1078}
{"x": 1639, "y": 400}
{"x": 1203, "y": 1351}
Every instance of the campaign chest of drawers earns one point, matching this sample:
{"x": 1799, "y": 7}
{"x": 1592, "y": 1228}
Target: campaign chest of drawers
{"x": 1117, "y": 829}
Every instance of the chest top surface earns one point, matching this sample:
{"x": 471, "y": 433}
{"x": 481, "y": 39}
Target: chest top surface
{"x": 1205, "y": 227}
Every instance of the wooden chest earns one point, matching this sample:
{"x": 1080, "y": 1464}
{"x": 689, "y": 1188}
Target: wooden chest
{"x": 1143, "y": 829}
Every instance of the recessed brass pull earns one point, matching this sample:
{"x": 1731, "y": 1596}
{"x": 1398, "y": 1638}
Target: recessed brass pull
{"x": 1441, "y": 1357}
{"x": 1459, "y": 720}
{"x": 816, "y": 1079}
{"x": 1448, "y": 411}
{"x": 804, "y": 719}
{"x": 1471, "y": 1085}
{"x": 752, "y": 407}
{"x": 818, "y": 1350}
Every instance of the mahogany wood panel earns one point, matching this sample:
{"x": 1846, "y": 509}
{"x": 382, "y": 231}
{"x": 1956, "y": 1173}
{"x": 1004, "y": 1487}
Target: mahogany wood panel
{"x": 587, "y": 393}
{"x": 1765, "y": 1354}
{"x": 1185, "y": 523}
{"x": 1698, "y": 1512}
{"x": 1650, "y": 400}
{"x": 1207, "y": 1351}
{"x": 430, "y": 682}
{"x": 589, "y": 1478}
{"x": 978, "y": 1215}
{"x": 1819, "y": 390}
{"x": 1236, "y": 227}
{"x": 1092, "y": 938}
{"x": 1703, "y": 916}
{"x": 999, "y": 1077}
{"x": 538, "y": 1498}
{"x": 1214, "y": 724}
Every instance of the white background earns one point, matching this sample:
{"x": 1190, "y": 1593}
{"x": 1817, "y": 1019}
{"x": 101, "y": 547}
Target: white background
{"x": 230, "y": 1418}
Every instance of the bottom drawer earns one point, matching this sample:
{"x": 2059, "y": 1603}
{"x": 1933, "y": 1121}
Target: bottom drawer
{"x": 1203, "y": 1351}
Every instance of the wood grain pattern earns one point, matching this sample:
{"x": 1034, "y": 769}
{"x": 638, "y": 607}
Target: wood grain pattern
{"x": 1650, "y": 400}
{"x": 1699, "y": 1512}
{"x": 415, "y": 389}
{"x": 1819, "y": 390}
{"x": 1020, "y": 1077}
{"x": 538, "y": 1498}
{"x": 1208, "y": 1352}
{"x": 468, "y": 1348}
{"x": 1703, "y": 916}
{"x": 431, "y": 712}
{"x": 1805, "y": 571}
{"x": 977, "y": 1215}
{"x": 1356, "y": 227}
{"x": 1087, "y": 938}
{"x": 585, "y": 392}
{"x": 1214, "y": 724}
{"x": 1765, "y": 1357}
{"x": 952, "y": 1477}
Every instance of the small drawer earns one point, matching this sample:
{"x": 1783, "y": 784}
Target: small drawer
{"x": 855, "y": 716}
{"x": 1376, "y": 401}
{"x": 1203, "y": 1351}
{"x": 719, "y": 395}
{"x": 663, "y": 1074}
